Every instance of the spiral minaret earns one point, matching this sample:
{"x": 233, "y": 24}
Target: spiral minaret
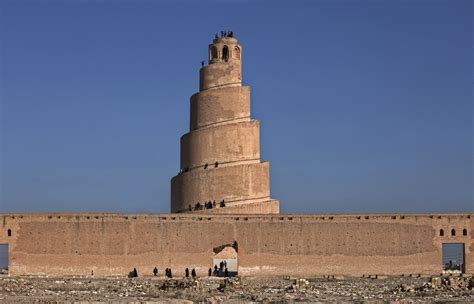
{"x": 221, "y": 170}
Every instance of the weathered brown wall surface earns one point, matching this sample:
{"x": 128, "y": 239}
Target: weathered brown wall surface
{"x": 220, "y": 105}
{"x": 113, "y": 244}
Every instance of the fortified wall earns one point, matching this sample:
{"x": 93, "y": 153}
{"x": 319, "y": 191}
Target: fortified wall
{"x": 303, "y": 245}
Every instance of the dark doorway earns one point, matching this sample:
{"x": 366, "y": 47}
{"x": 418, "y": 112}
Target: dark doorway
{"x": 225, "y": 53}
{"x": 3, "y": 258}
{"x": 453, "y": 257}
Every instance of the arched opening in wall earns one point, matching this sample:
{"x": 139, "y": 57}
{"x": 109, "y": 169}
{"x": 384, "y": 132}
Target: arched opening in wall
{"x": 225, "y": 260}
{"x": 9, "y": 232}
{"x": 3, "y": 258}
{"x": 441, "y": 232}
{"x": 213, "y": 53}
{"x": 236, "y": 53}
{"x": 453, "y": 232}
{"x": 225, "y": 53}
{"x": 453, "y": 258}
{"x": 464, "y": 232}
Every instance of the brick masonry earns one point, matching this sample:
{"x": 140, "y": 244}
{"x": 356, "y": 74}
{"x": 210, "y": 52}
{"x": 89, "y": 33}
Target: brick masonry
{"x": 306, "y": 245}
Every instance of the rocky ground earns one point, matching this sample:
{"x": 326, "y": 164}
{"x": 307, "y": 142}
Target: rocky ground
{"x": 236, "y": 290}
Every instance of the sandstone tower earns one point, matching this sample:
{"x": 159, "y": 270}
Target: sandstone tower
{"x": 220, "y": 156}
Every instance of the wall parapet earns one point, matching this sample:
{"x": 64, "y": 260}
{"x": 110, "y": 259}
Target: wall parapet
{"x": 82, "y": 216}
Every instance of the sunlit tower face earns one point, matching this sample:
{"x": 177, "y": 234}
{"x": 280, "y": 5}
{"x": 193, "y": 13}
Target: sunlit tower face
{"x": 221, "y": 170}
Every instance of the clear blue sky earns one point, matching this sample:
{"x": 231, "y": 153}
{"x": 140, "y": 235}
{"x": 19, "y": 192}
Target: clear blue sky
{"x": 365, "y": 106}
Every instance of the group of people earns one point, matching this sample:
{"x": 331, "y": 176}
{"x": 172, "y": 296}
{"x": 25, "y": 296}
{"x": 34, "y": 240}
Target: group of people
{"x": 186, "y": 169}
{"x": 206, "y": 205}
{"x": 193, "y": 273}
{"x": 168, "y": 272}
{"x": 226, "y": 34}
{"x": 221, "y": 270}
{"x": 218, "y": 271}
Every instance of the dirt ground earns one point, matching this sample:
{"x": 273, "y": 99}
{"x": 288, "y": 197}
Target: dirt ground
{"x": 235, "y": 290}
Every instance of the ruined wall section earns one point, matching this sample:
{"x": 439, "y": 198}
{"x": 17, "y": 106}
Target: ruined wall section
{"x": 220, "y": 156}
{"x": 304, "y": 245}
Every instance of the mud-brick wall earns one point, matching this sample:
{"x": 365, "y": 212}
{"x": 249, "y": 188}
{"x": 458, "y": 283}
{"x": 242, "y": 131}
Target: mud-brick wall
{"x": 306, "y": 245}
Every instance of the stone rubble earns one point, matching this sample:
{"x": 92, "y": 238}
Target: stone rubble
{"x": 218, "y": 290}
